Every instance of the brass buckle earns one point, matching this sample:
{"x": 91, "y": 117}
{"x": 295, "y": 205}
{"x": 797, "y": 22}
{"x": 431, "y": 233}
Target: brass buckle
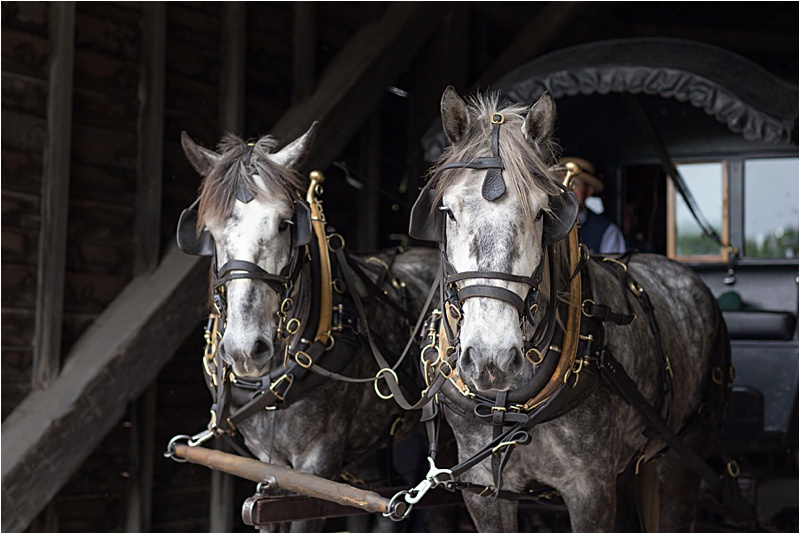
{"x": 536, "y": 351}
{"x": 305, "y": 361}
{"x": 498, "y": 118}
{"x": 274, "y": 385}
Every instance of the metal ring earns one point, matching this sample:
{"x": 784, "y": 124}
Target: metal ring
{"x": 171, "y": 448}
{"x": 733, "y": 468}
{"x": 336, "y": 236}
{"x": 716, "y": 375}
{"x": 450, "y": 373}
{"x": 583, "y": 307}
{"x": 337, "y": 286}
{"x": 308, "y": 363}
{"x": 498, "y": 118}
{"x": 537, "y": 351}
{"x": 287, "y": 305}
{"x": 375, "y": 383}
{"x": 294, "y": 321}
{"x": 425, "y": 349}
{"x": 455, "y": 313}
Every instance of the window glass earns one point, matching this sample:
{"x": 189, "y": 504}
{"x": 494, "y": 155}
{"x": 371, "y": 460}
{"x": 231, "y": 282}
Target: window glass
{"x": 770, "y": 208}
{"x": 706, "y": 183}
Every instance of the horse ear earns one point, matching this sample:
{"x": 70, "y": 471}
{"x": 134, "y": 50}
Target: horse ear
{"x": 202, "y": 159}
{"x": 293, "y": 154}
{"x": 455, "y": 119}
{"x": 541, "y": 119}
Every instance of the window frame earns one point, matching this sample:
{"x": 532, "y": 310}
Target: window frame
{"x": 726, "y": 223}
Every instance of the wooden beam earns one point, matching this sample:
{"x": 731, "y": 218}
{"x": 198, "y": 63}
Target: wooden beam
{"x": 142, "y": 462}
{"x": 55, "y": 198}
{"x": 534, "y": 39}
{"x": 304, "y": 60}
{"x": 357, "y": 79}
{"x": 151, "y": 135}
{"x": 233, "y": 55}
{"x": 49, "y": 435}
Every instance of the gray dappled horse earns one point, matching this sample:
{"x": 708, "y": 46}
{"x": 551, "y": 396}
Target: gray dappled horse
{"x": 495, "y": 203}
{"x": 254, "y": 220}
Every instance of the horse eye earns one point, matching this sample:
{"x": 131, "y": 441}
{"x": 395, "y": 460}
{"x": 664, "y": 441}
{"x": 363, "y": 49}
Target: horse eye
{"x": 540, "y": 215}
{"x": 284, "y": 224}
{"x": 448, "y": 212}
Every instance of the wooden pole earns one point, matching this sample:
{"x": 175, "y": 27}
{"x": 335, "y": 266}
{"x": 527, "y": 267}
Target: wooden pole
{"x": 286, "y": 479}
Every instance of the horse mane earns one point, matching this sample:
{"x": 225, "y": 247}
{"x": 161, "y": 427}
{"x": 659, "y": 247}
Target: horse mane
{"x": 229, "y": 174}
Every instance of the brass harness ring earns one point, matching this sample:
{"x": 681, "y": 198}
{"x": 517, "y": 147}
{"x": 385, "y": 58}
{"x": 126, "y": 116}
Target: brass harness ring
{"x": 375, "y": 383}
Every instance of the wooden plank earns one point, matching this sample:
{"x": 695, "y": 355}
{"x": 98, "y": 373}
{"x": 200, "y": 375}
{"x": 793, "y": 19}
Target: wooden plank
{"x": 55, "y": 198}
{"x": 356, "y": 80}
{"x": 147, "y": 241}
{"x": 53, "y": 431}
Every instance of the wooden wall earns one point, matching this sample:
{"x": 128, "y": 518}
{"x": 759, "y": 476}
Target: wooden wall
{"x": 101, "y": 189}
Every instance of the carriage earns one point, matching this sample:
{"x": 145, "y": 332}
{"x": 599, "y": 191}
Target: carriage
{"x": 638, "y": 84}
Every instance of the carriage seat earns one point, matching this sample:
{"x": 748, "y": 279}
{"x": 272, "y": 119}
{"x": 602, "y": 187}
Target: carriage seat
{"x": 745, "y": 321}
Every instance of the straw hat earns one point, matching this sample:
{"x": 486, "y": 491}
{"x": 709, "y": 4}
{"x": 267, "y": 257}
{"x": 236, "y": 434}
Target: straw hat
{"x": 588, "y": 174}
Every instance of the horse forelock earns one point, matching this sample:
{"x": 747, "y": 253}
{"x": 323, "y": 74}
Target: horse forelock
{"x": 527, "y": 169}
{"x": 234, "y": 171}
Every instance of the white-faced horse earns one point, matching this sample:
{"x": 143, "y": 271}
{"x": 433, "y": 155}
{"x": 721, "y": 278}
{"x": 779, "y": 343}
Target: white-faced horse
{"x": 293, "y": 309}
{"x": 548, "y": 345}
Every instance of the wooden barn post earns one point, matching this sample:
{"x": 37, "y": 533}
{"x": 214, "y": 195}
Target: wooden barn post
{"x": 147, "y": 243}
{"x": 55, "y": 197}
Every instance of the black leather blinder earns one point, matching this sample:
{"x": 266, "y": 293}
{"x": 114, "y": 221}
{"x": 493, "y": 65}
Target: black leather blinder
{"x": 301, "y": 224}
{"x": 564, "y": 214}
{"x": 426, "y": 221}
{"x": 189, "y": 241}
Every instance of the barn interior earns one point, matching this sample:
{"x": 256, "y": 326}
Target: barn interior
{"x": 102, "y": 315}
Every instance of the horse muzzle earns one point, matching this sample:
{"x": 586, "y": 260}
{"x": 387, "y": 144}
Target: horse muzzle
{"x": 491, "y": 369}
{"x": 252, "y": 359}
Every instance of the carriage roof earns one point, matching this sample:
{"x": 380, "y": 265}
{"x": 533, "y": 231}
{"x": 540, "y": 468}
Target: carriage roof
{"x": 682, "y": 84}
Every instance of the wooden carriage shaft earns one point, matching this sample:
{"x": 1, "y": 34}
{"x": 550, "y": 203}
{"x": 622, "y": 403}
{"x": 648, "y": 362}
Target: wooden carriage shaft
{"x": 284, "y": 478}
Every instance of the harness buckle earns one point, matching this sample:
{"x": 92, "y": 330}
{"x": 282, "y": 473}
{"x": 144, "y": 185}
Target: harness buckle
{"x": 498, "y": 118}
{"x": 273, "y": 387}
{"x": 534, "y": 350}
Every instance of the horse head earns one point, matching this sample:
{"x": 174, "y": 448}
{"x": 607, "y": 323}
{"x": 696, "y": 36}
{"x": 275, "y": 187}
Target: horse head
{"x": 494, "y": 203}
{"x": 253, "y": 220}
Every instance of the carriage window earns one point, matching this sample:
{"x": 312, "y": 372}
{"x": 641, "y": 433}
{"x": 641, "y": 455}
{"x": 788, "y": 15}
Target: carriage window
{"x": 686, "y": 241}
{"x": 770, "y": 208}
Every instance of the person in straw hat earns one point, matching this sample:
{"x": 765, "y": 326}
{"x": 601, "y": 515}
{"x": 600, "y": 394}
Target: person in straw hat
{"x": 598, "y": 232}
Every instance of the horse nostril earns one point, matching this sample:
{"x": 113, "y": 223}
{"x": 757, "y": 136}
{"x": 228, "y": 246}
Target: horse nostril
{"x": 467, "y": 358}
{"x": 262, "y": 349}
{"x": 515, "y": 360}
